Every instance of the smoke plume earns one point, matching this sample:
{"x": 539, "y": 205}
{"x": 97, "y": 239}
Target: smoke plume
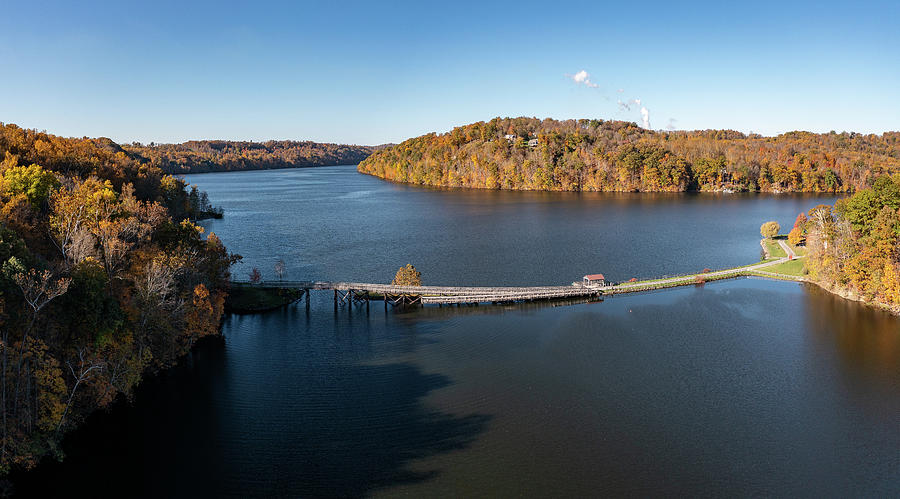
{"x": 583, "y": 78}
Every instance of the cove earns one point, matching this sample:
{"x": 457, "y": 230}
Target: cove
{"x": 740, "y": 387}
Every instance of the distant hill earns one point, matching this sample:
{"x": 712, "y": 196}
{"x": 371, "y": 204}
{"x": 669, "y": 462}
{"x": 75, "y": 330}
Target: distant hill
{"x": 598, "y": 155}
{"x": 200, "y": 156}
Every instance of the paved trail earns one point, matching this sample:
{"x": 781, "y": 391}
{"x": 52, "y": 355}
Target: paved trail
{"x": 787, "y": 248}
{"x": 691, "y": 278}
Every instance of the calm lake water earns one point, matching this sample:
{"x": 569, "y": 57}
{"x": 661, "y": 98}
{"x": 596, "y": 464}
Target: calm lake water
{"x": 741, "y": 387}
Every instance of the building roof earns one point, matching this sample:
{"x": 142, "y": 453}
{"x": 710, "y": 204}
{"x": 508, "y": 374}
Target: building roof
{"x": 595, "y": 277}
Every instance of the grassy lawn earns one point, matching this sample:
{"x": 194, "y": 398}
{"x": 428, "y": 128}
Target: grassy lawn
{"x": 792, "y": 267}
{"x": 799, "y": 250}
{"x": 775, "y": 250}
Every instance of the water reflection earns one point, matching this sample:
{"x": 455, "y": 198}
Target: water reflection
{"x": 866, "y": 340}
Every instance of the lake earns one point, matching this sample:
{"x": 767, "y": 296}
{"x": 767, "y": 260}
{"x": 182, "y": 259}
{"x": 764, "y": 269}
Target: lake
{"x": 736, "y": 388}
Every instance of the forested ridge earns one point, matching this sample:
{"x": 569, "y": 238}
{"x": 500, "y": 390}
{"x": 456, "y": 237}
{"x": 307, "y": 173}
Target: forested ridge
{"x": 201, "y": 156}
{"x": 598, "y": 155}
{"x": 104, "y": 277}
{"x": 854, "y": 246}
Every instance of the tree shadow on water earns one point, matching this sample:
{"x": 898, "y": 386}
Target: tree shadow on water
{"x": 368, "y": 439}
{"x": 322, "y": 430}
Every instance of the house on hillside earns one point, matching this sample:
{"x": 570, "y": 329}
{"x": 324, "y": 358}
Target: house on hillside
{"x": 510, "y": 137}
{"x": 533, "y": 143}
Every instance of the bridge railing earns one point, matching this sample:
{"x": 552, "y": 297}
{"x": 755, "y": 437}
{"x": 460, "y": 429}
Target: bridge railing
{"x": 416, "y": 290}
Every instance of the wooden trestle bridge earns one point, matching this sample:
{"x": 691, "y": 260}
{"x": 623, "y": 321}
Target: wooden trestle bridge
{"x": 349, "y": 292}
{"x": 592, "y": 287}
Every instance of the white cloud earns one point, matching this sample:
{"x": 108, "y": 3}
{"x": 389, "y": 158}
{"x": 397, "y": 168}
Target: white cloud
{"x": 645, "y": 117}
{"x": 583, "y": 78}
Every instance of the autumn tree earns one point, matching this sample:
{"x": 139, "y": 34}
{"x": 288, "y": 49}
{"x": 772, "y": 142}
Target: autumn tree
{"x": 32, "y": 181}
{"x": 39, "y": 289}
{"x": 74, "y": 207}
{"x": 202, "y": 318}
{"x": 797, "y": 235}
{"x": 87, "y": 367}
{"x": 769, "y": 229}
{"x": 120, "y": 222}
{"x": 407, "y": 276}
{"x": 91, "y": 218}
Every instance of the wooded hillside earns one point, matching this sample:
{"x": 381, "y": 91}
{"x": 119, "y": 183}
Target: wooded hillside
{"x": 854, "y": 247}
{"x": 597, "y": 155}
{"x": 103, "y": 278}
{"x": 200, "y": 156}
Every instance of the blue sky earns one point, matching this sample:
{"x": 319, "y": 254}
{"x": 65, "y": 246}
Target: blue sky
{"x": 370, "y": 73}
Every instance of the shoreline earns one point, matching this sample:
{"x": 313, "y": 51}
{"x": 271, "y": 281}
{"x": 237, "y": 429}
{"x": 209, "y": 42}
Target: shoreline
{"x": 181, "y": 174}
{"x": 854, "y": 297}
{"x": 721, "y": 191}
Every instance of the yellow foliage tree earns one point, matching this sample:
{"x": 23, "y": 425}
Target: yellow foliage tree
{"x": 891, "y": 284}
{"x": 202, "y": 318}
{"x": 795, "y": 236}
{"x": 769, "y": 229}
{"x": 407, "y": 276}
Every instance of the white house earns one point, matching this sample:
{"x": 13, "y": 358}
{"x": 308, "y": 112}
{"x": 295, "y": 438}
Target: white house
{"x": 594, "y": 280}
